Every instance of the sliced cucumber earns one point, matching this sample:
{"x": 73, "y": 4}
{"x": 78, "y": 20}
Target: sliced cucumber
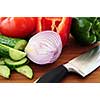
{"x": 25, "y": 70}
{"x": 14, "y": 54}
{"x": 20, "y": 45}
{"x": 4, "y": 71}
{"x": 4, "y": 51}
{"x": 2, "y": 61}
{"x": 13, "y": 64}
{"x": 13, "y": 42}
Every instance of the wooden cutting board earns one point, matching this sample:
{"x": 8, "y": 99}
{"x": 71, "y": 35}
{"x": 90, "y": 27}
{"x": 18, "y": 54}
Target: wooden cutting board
{"x": 72, "y": 50}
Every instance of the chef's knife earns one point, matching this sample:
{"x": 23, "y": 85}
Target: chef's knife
{"x": 83, "y": 65}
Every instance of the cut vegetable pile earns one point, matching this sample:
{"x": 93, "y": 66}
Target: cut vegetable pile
{"x": 46, "y": 38}
{"x": 52, "y": 34}
{"x": 13, "y": 59}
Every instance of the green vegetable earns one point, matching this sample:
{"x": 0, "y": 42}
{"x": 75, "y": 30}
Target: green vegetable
{"x": 2, "y": 61}
{"x": 13, "y": 59}
{"x": 86, "y": 30}
{"x": 4, "y": 71}
{"x": 14, "y": 54}
{"x": 14, "y": 64}
{"x": 25, "y": 70}
{"x": 15, "y": 43}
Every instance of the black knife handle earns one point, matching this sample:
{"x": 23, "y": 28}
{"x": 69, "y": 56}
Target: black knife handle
{"x": 54, "y": 75}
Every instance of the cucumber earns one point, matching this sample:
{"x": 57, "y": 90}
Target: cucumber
{"x": 20, "y": 45}
{"x": 6, "y": 51}
{"x": 4, "y": 71}
{"x": 2, "y": 61}
{"x": 14, "y": 64}
{"x": 16, "y": 55}
{"x": 15, "y": 43}
{"x": 25, "y": 70}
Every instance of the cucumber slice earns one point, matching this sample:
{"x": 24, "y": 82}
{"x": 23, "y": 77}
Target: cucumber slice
{"x": 14, "y": 54}
{"x": 20, "y": 45}
{"x": 13, "y": 64}
{"x": 2, "y": 61}
{"x": 4, "y": 71}
{"x": 13, "y": 42}
{"x": 4, "y": 51}
{"x": 25, "y": 70}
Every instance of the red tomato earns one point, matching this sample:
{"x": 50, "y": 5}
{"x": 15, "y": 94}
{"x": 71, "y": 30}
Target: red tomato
{"x": 18, "y": 27}
{"x": 61, "y": 25}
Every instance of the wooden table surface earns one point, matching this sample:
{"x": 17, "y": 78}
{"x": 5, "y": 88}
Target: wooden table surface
{"x": 72, "y": 50}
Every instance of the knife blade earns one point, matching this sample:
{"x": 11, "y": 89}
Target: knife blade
{"x": 83, "y": 65}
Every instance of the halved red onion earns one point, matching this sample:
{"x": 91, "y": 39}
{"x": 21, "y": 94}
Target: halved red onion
{"x": 45, "y": 47}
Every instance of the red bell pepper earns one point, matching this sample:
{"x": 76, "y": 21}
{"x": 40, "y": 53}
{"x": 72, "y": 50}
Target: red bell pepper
{"x": 60, "y": 25}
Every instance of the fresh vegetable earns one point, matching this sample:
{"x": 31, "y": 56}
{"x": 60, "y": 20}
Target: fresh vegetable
{"x": 25, "y": 70}
{"x": 2, "y": 61}
{"x": 2, "y": 18}
{"x": 12, "y": 59}
{"x": 19, "y": 66}
{"x": 18, "y": 27}
{"x": 60, "y": 25}
{"x": 15, "y": 43}
{"x": 4, "y": 71}
{"x": 86, "y": 30}
{"x": 6, "y": 51}
{"x": 44, "y": 47}
{"x": 14, "y": 64}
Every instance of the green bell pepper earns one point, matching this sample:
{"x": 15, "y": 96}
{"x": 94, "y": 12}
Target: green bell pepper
{"x": 86, "y": 30}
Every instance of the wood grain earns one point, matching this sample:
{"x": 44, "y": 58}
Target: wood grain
{"x": 72, "y": 50}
